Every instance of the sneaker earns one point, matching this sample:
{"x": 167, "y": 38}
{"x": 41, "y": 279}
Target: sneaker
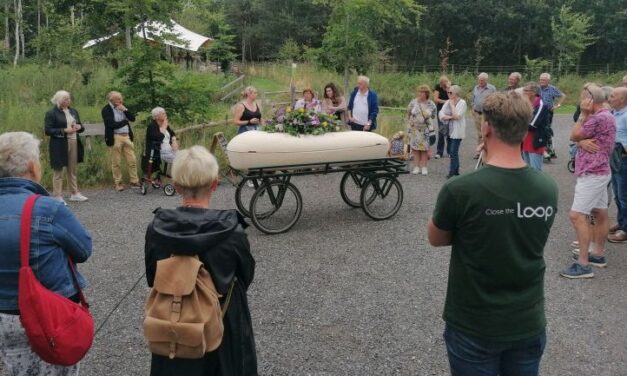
{"x": 546, "y": 155}
{"x": 574, "y": 244}
{"x": 437, "y": 156}
{"x": 619, "y": 236}
{"x": 250, "y": 184}
{"x": 135, "y": 185}
{"x": 577, "y": 271}
{"x": 415, "y": 171}
{"x": 119, "y": 187}
{"x": 598, "y": 261}
{"x": 78, "y": 197}
{"x": 476, "y": 156}
{"x": 61, "y": 200}
{"x": 425, "y": 171}
{"x": 614, "y": 228}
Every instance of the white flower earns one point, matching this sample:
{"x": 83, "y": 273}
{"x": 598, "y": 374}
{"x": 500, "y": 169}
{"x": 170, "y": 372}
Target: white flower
{"x": 279, "y": 127}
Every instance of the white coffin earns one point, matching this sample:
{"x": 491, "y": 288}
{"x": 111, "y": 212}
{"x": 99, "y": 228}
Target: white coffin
{"x": 254, "y": 149}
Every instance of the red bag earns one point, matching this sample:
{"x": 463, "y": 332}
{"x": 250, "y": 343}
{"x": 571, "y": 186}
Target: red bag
{"x": 58, "y": 330}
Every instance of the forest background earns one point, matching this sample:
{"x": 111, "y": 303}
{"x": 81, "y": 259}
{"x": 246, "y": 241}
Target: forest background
{"x": 398, "y": 43}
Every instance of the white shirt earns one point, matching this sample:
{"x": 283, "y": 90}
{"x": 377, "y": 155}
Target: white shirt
{"x": 70, "y": 121}
{"x": 457, "y": 128}
{"x": 360, "y": 108}
{"x": 167, "y": 154}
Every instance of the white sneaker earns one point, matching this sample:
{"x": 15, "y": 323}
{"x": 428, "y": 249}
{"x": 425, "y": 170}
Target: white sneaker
{"x": 78, "y": 197}
{"x": 416, "y": 171}
{"x": 60, "y": 199}
{"x": 424, "y": 171}
{"x": 574, "y": 244}
{"x": 250, "y": 184}
{"x": 437, "y": 156}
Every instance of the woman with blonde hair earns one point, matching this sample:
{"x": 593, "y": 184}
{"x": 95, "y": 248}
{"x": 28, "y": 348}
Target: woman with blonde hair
{"x": 420, "y": 112}
{"x": 219, "y": 240}
{"x": 247, "y": 113}
{"x": 62, "y": 123}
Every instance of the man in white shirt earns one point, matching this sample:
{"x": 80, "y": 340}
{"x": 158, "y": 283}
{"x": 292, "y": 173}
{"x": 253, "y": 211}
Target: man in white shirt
{"x": 363, "y": 106}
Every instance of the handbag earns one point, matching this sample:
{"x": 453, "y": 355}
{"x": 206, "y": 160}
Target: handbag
{"x": 58, "y": 330}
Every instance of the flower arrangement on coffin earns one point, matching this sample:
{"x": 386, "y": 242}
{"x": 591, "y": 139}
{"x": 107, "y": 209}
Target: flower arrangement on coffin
{"x": 302, "y": 121}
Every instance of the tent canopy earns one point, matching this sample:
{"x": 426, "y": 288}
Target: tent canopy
{"x": 174, "y": 35}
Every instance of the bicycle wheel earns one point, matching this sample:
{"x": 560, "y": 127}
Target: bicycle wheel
{"x": 243, "y": 195}
{"x": 351, "y": 187}
{"x": 275, "y": 207}
{"x": 382, "y": 197}
{"x": 571, "y": 165}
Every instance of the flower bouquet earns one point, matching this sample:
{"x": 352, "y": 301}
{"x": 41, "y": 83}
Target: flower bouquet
{"x": 302, "y": 121}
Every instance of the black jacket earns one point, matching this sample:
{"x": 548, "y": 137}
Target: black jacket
{"x": 110, "y": 123}
{"x": 154, "y": 137}
{"x": 54, "y": 123}
{"x": 219, "y": 240}
{"x": 540, "y": 126}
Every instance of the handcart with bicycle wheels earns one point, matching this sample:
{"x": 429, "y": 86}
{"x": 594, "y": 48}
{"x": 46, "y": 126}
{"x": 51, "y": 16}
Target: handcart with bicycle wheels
{"x": 274, "y": 204}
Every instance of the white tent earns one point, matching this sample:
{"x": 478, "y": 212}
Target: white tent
{"x": 174, "y": 35}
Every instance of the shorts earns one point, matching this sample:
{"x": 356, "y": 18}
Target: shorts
{"x": 591, "y": 193}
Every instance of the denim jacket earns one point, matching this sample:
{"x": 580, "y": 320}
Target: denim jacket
{"x": 55, "y": 233}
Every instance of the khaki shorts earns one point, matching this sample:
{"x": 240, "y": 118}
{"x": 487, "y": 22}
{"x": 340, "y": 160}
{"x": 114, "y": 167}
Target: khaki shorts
{"x": 591, "y": 193}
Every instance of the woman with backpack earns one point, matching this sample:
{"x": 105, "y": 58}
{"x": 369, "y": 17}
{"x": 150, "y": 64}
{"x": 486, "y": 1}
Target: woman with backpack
{"x": 194, "y": 233}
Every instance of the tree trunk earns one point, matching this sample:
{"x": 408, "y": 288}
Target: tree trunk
{"x": 18, "y": 5}
{"x": 38, "y": 23}
{"x": 7, "y": 31}
{"x": 72, "y": 15}
{"x": 127, "y": 33}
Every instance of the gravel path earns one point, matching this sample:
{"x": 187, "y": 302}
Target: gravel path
{"x": 343, "y": 295}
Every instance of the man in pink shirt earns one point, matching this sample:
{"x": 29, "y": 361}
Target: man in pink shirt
{"x": 593, "y": 176}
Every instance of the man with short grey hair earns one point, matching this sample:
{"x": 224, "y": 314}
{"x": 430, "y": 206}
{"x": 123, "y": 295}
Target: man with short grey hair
{"x": 513, "y": 81}
{"x": 363, "y": 106}
{"x": 618, "y": 102}
{"x": 553, "y": 98}
{"x": 119, "y": 137}
{"x": 479, "y": 93}
{"x": 593, "y": 175}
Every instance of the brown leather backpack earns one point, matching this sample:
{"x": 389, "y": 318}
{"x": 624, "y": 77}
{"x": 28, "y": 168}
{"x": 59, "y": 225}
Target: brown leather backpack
{"x": 183, "y": 313}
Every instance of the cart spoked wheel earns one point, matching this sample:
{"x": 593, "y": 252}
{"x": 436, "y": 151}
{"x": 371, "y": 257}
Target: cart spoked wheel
{"x": 275, "y": 206}
{"x": 350, "y": 188}
{"x": 169, "y": 190}
{"x": 244, "y": 194}
{"x": 382, "y": 197}
{"x": 143, "y": 189}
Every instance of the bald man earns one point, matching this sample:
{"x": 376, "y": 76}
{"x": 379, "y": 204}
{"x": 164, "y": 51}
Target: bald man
{"x": 618, "y": 102}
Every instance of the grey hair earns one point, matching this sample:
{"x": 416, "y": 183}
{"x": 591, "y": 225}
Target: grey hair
{"x": 517, "y": 75}
{"x": 483, "y": 75}
{"x": 546, "y": 75}
{"x": 456, "y": 89}
{"x": 157, "y": 111}
{"x": 112, "y": 93}
{"x": 533, "y": 86}
{"x": 58, "y": 97}
{"x": 598, "y": 95}
{"x": 364, "y": 79}
{"x": 607, "y": 90}
{"x": 194, "y": 170}
{"x": 16, "y": 150}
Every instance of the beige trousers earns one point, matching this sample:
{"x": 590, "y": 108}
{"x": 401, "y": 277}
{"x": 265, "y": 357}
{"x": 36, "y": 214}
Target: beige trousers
{"x": 123, "y": 146}
{"x": 72, "y": 162}
{"x": 477, "y": 120}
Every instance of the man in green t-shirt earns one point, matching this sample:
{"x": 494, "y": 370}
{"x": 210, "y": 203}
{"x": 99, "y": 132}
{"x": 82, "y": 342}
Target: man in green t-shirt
{"x": 497, "y": 219}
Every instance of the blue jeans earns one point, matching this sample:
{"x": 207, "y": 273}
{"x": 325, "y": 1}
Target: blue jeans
{"x": 454, "y": 144}
{"x": 470, "y": 356}
{"x": 534, "y": 160}
{"x": 619, "y": 186}
{"x": 246, "y": 128}
{"x": 442, "y": 140}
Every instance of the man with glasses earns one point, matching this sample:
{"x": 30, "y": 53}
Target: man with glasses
{"x": 593, "y": 175}
{"x": 479, "y": 93}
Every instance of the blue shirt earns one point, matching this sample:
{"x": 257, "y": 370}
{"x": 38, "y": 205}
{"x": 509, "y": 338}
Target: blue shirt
{"x": 549, "y": 93}
{"x": 621, "y": 125}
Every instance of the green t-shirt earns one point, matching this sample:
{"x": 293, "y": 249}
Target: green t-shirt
{"x": 500, "y": 220}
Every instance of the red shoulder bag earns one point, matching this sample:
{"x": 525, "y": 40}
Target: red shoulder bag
{"x": 58, "y": 330}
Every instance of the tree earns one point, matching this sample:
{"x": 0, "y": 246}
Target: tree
{"x": 571, "y": 36}
{"x": 221, "y": 49}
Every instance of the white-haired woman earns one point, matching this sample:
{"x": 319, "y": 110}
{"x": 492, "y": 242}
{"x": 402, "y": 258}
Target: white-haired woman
{"x": 160, "y": 137}
{"x": 453, "y": 112}
{"x": 62, "y": 123}
{"x": 218, "y": 238}
{"x": 55, "y": 235}
{"x": 247, "y": 113}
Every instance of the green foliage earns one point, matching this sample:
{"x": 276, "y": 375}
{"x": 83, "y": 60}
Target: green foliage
{"x": 571, "y": 36}
{"x": 290, "y": 51}
{"x": 70, "y": 51}
{"x": 534, "y": 67}
{"x": 221, "y": 49}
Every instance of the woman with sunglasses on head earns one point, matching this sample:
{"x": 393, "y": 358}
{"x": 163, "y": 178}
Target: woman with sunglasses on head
{"x": 454, "y": 111}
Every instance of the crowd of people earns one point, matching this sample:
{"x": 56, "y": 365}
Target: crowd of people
{"x": 494, "y": 310}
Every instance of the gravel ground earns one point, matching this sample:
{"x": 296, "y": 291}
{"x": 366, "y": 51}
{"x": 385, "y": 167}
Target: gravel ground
{"x": 341, "y": 294}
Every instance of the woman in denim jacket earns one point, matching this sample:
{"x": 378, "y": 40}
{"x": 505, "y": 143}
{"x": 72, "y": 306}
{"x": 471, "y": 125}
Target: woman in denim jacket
{"x": 56, "y": 234}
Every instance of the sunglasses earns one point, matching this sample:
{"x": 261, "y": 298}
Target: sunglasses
{"x": 449, "y": 92}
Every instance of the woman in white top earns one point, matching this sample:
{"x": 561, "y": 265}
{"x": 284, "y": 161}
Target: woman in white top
{"x": 453, "y": 112}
